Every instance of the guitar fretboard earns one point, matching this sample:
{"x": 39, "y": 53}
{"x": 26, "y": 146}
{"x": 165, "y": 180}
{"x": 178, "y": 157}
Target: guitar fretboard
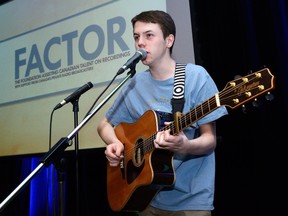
{"x": 182, "y": 122}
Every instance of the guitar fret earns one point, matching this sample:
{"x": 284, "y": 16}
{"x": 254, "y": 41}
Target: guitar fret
{"x": 201, "y": 106}
{"x": 191, "y": 116}
{"x": 172, "y": 128}
{"x": 199, "y": 111}
{"x": 183, "y": 123}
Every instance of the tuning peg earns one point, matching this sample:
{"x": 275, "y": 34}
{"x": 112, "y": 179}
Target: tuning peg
{"x": 255, "y": 103}
{"x": 244, "y": 109}
{"x": 237, "y": 76}
{"x": 269, "y": 97}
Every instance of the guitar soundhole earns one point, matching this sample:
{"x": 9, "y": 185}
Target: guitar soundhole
{"x": 135, "y": 168}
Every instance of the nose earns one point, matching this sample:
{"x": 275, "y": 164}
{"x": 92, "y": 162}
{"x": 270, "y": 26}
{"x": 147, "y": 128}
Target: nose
{"x": 140, "y": 42}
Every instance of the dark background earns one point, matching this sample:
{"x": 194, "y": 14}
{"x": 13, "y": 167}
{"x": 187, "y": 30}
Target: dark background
{"x": 230, "y": 38}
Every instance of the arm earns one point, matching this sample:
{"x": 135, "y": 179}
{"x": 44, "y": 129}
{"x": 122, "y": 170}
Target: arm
{"x": 114, "y": 149}
{"x": 204, "y": 144}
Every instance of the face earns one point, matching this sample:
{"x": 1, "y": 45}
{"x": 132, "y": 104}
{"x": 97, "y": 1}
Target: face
{"x": 149, "y": 36}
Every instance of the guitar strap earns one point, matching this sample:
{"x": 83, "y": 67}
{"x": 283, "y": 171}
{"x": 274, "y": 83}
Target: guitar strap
{"x": 178, "y": 92}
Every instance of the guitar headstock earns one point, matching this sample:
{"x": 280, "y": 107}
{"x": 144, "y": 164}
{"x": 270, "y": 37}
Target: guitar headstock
{"x": 247, "y": 88}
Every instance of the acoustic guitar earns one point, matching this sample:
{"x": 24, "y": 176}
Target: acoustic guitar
{"x": 145, "y": 170}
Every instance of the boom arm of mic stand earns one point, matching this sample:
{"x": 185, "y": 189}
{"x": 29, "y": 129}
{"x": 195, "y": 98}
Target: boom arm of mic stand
{"x": 47, "y": 159}
{"x": 62, "y": 144}
{"x": 91, "y": 114}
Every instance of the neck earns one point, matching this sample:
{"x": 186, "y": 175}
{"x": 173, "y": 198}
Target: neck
{"x": 164, "y": 70}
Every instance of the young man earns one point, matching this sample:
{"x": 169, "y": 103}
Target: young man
{"x": 193, "y": 148}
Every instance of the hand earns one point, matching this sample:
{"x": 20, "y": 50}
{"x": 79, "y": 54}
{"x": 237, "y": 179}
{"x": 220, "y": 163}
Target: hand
{"x": 174, "y": 143}
{"x": 114, "y": 153}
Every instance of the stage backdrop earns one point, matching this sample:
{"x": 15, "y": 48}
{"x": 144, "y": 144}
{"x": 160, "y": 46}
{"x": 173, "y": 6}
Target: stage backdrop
{"x": 51, "y": 48}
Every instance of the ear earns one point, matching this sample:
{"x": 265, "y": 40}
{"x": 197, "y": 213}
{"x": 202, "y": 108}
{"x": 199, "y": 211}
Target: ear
{"x": 170, "y": 40}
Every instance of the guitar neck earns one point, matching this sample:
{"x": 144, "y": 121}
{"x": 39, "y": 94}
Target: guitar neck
{"x": 182, "y": 122}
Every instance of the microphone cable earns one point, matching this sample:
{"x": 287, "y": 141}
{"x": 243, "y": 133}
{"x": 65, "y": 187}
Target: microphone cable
{"x": 100, "y": 95}
{"x": 50, "y": 174}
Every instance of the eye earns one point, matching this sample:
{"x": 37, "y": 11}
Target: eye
{"x": 136, "y": 37}
{"x": 149, "y": 35}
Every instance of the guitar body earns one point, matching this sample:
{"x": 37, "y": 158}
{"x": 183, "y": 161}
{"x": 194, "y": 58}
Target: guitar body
{"x": 143, "y": 172}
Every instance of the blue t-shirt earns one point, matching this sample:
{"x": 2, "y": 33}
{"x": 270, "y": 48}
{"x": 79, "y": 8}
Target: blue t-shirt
{"x": 194, "y": 185}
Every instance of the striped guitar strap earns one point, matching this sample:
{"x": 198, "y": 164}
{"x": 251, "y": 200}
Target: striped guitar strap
{"x": 178, "y": 92}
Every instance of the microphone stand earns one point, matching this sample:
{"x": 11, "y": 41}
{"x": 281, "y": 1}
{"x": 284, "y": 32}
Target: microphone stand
{"x": 60, "y": 166}
{"x": 76, "y": 140}
{"x": 63, "y": 143}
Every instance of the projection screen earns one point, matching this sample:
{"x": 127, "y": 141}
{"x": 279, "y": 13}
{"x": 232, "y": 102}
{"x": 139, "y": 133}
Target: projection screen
{"x": 51, "y": 48}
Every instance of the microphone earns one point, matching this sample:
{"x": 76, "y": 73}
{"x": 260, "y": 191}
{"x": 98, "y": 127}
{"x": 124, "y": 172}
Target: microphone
{"x": 74, "y": 95}
{"x": 140, "y": 54}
